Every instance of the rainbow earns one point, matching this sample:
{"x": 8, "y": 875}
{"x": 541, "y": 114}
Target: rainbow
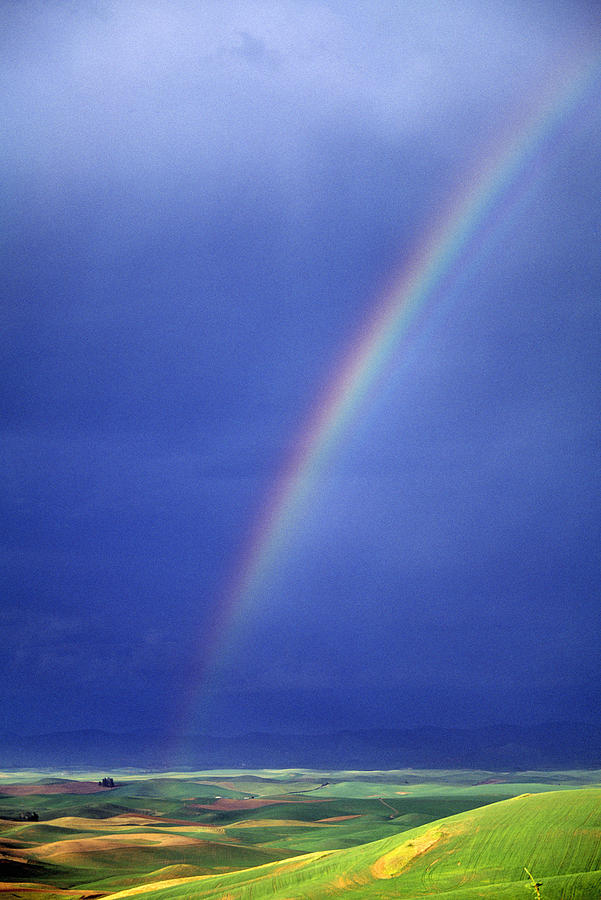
{"x": 452, "y": 247}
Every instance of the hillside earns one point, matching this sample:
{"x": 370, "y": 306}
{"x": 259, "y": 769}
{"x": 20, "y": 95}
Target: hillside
{"x": 479, "y": 853}
{"x": 299, "y": 833}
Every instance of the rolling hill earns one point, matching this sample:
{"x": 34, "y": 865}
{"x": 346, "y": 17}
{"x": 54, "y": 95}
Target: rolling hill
{"x": 479, "y": 853}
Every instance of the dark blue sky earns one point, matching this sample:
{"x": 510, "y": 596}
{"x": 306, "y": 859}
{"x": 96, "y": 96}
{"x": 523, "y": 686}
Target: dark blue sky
{"x": 202, "y": 204}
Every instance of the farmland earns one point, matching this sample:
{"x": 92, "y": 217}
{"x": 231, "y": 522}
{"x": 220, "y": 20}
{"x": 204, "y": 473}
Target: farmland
{"x": 299, "y": 833}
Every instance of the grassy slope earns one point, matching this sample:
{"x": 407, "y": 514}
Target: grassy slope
{"x": 359, "y": 807}
{"x": 488, "y": 792}
{"x": 481, "y": 853}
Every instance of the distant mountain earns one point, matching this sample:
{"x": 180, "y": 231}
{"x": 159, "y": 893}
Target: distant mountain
{"x": 553, "y": 745}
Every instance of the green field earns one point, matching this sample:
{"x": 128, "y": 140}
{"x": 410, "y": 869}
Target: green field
{"x": 300, "y": 834}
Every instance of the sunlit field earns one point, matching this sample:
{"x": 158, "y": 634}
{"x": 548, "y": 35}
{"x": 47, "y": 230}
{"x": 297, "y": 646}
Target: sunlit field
{"x": 300, "y": 833}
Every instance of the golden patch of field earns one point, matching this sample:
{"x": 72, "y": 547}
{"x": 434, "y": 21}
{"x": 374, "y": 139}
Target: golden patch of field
{"x": 288, "y": 865}
{"x": 299, "y": 862}
{"x": 344, "y": 882}
{"x": 179, "y": 826}
{"x": 177, "y": 870}
{"x": 28, "y": 887}
{"x": 154, "y": 886}
{"x": 269, "y": 823}
{"x": 73, "y": 847}
{"x": 395, "y": 861}
{"x": 285, "y": 866}
{"x": 140, "y": 819}
{"x": 191, "y": 829}
{"x": 13, "y": 844}
{"x": 339, "y": 818}
{"x": 82, "y": 824}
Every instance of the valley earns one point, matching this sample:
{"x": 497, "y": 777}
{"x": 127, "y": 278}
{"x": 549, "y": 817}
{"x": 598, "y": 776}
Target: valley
{"x": 459, "y": 834}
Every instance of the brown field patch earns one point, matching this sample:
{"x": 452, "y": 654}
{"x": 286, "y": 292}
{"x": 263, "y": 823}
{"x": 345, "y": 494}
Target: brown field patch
{"x": 66, "y": 787}
{"x": 231, "y": 803}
